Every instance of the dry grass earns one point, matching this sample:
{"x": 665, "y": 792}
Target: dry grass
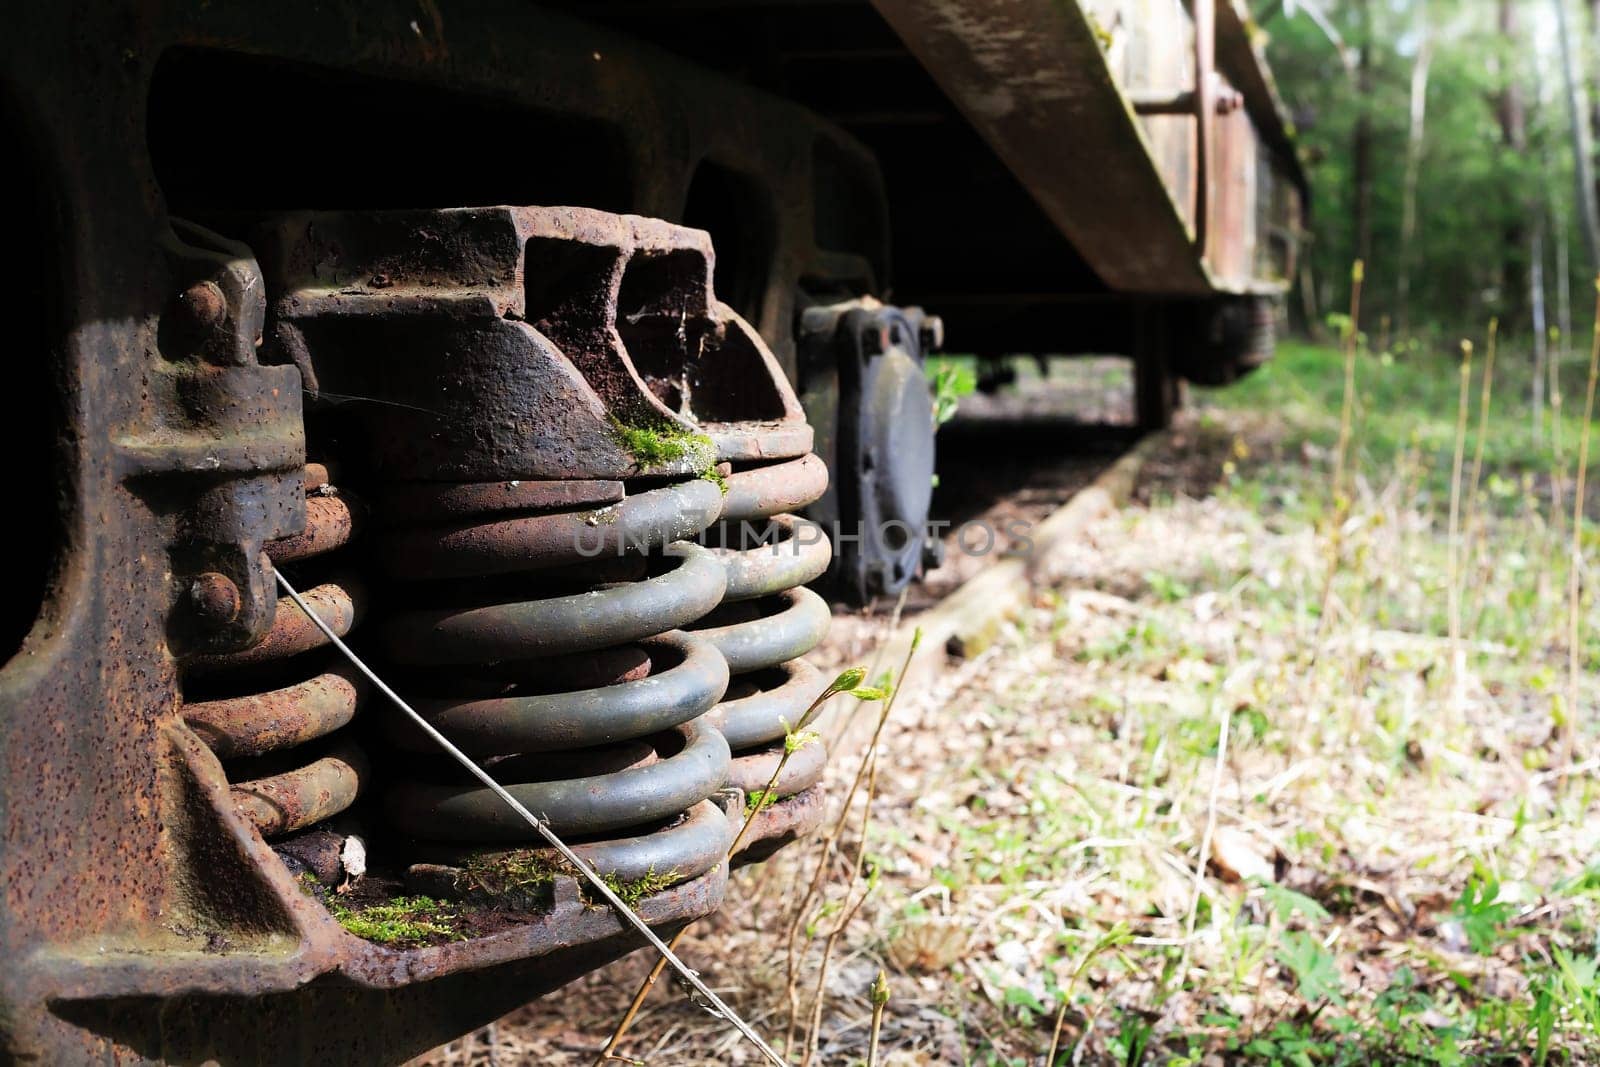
{"x": 1390, "y": 879}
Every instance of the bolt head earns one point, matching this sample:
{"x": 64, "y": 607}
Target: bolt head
{"x": 215, "y": 599}
{"x": 204, "y": 305}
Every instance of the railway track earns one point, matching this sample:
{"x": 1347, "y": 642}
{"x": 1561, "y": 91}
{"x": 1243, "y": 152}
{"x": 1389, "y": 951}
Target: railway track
{"x": 1012, "y": 513}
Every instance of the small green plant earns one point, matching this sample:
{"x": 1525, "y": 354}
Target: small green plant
{"x": 1286, "y": 1042}
{"x": 1253, "y": 721}
{"x": 1571, "y": 988}
{"x": 1315, "y": 968}
{"x": 795, "y": 738}
{"x": 1028, "y": 1006}
{"x": 1109, "y": 941}
{"x": 1481, "y": 913}
{"x": 1131, "y": 1041}
{"x": 1167, "y": 588}
{"x": 879, "y": 995}
{"x": 1286, "y": 903}
{"x": 951, "y": 382}
{"x": 401, "y": 922}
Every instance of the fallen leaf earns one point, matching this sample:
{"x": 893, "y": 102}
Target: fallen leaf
{"x": 1238, "y": 857}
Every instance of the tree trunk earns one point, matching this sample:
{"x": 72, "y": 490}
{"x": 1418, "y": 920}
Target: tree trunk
{"x": 1308, "y": 297}
{"x": 1536, "y": 302}
{"x": 1577, "y": 115}
{"x": 1408, "y": 210}
{"x": 1514, "y": 136}
{"x": 1361, "y": 147}
{"x": 1563, "y": 281}
{"x": 1547, "y": 219}
{"x": 1594, "y": 103}
{"x": 1558, "y": 354}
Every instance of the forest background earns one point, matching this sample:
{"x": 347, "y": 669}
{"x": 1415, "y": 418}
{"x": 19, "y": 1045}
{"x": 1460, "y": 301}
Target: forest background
{"x": 1450, "y": 145}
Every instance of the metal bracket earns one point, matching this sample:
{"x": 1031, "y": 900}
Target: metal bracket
{"x": 451, "y": 333}
{"x": 224, "y": 448}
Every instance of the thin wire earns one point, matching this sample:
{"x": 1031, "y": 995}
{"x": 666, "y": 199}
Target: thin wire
{"x": 542, "y": 828}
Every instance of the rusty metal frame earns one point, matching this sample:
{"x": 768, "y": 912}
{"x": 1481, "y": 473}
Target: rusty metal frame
{"x": 1240, "y": 57}
{"x": 144, "y": 917}
{"x": 141, "y": 907}
{"x": 1205, "y": 114}
{"x": 1032, "y": 78}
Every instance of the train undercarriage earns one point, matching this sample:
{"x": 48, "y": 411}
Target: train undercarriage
{"x": 496, "y": 328}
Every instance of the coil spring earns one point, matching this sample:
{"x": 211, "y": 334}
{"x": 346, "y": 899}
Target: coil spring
{"x": 262, "y": 734}
{"x": 768, "y": 621}
{"x": 547, "y": 641}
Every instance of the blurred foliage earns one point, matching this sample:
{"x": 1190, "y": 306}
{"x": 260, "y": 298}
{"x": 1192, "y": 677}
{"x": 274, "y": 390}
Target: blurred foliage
{"x": 1405, "y": 403}
{"x": 1477, "y": 196}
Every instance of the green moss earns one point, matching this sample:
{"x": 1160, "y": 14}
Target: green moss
{"x": 632, "y": 892}
{"x": 519, "y": 872}
{"x": 403, "y": 921}
{"x": 663, "y": 444}
{"x": 716, "y": 478}
{"x": 521, "y": 875}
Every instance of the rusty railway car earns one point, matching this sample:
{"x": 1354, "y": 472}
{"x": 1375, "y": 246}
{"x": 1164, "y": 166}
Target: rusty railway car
{"x": 482, "y": 320}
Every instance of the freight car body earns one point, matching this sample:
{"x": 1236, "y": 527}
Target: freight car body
{"x": 1149, "y": 134}
{"x": 416, "y": 302}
